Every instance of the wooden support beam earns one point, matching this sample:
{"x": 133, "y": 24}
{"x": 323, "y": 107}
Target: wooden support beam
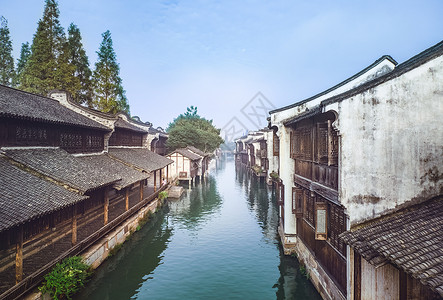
{"x": 161, "y": 178}
{"x": 141, "y": 190}
{"x": 167, "y": 173}
{"x": 127, "y": 199}
{"x": 19, "y": 256}
{"x": 74, "y": 225}
{"x": 106, "y": 207}
{"x": 155, "y": 181}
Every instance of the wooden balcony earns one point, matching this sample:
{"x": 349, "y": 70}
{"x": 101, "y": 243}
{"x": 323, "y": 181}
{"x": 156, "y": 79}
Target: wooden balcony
{"x": 320, "y": 178}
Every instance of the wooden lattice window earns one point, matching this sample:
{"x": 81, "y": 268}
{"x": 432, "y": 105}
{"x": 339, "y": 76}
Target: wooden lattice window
{"x": 297, "y": 201}
{"x": 276, "y": 144}
{"x": 70, "y": 140}
{"x": 322, "y": 143}
{"x": 302, "y": 143}
{"x": 309, "y": 208}
{"x": 321, "y": 221}
{"x": 94, "y": 142}
{"x": 30, "y": 135}
{"x": 337, "y": 225}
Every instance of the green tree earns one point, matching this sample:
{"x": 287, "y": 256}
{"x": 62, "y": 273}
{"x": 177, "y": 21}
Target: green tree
{"x": 25, "y": 52}
{"x": 78, "y": 58}
{"x": 109, "y": 95}
{"x": 47, "y": 67}
{"x": 189, "y": 129}
{"x": 6, "y": 60}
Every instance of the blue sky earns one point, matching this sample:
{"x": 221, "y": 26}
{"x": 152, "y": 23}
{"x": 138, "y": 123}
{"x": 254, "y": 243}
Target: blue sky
{"x": 217, "y": 55}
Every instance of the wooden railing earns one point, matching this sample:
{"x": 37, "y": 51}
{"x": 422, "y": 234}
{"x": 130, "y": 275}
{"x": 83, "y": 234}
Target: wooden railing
{"x": 320, "y": 173}
{"x": 33, "y": 280}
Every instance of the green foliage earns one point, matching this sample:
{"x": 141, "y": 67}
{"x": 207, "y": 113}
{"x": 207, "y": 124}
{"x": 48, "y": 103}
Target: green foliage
{"x": 77, "y": 57}
{"x": 109, "y": 95}
{"x": 190, "y": 129}
{"x": 274, "y": 175}
{"x": 163, "y": 195}
{"x": 66, "y": 278}
{"x": 47, "y": 67}
{"x": 304, "y": 272}
{"x": 257, "y": 169}
{"x": 25, "y": 52}
{"x": 6, "y": 61}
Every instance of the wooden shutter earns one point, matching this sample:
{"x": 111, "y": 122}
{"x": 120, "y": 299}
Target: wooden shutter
{"x": 322, "y": 143}
{"x": 297, "y": 201}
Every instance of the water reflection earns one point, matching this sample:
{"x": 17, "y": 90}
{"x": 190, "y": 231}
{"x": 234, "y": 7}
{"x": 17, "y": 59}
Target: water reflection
{"x": 217, "y": 242}
{"x": 123, "y": 273}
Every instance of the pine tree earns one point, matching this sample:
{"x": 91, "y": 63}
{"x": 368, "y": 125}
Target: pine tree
{"x": 79, "y": 59}
{"x": 109, "y": 95}
{"x": 25, "y": 52}
{"x": 6, "y": 60}
{"x": 47, "y": 67}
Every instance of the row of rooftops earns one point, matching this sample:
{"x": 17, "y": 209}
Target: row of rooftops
{"x": 61, "y": 110}
{"x": 39, "y": 180}
{"x": 253, "y": 136}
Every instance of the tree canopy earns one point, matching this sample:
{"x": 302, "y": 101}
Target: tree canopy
{"x": 109, "y": 95}
{"x": 6, "y": 60}
{"x": 77, "y": 57}
{"x": 25, "y": 52}
{"x": 189, "y": 129}
{"x": 47, "y": 67}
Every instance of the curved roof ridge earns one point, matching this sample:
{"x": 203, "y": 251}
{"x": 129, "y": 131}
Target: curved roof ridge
{"x": 378, "y": 61}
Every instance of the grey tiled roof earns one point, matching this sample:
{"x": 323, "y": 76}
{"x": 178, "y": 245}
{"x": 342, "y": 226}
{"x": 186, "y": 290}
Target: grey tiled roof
{"x": 18, "y": 104}
{"x": 120, "y": 123}
{"x": 411, "y": 239}
{"x": 197, "y": 151}
{"x": 187, "y": 153}
{"x": 63, "y": 167}
{"x": 105, "y": 164}
{"x": 24, "y": 197}
{"x": 140, "y": 157}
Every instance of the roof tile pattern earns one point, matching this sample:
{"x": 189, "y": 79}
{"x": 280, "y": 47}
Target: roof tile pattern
{"x": 33, "y": 197}
{"x": 120, "y": 123}
{"x": 63, "y": 167}
{"x": 197, "y": 151}
{"x": 18, "y": 104}
{"x": 187, "y": 153}
{"x": 140, "y": 157}
{"x": 411, "y": 239}
{"x": 107, "y": 165}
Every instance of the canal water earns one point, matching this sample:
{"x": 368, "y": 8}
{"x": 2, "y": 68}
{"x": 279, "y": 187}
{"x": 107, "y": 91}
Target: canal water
{"x": 219, "y": 241}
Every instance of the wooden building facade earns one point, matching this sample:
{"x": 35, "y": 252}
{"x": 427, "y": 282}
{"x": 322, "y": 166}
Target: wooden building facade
{"x": 355, "y": 189}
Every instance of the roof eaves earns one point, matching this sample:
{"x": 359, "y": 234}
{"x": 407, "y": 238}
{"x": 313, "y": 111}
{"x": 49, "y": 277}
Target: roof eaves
{"x": 378, "y": 61}
{"x": 412, "y": 63}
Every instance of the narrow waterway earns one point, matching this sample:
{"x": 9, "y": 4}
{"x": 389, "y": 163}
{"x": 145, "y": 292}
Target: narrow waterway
{"x": 219, "y": 241}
